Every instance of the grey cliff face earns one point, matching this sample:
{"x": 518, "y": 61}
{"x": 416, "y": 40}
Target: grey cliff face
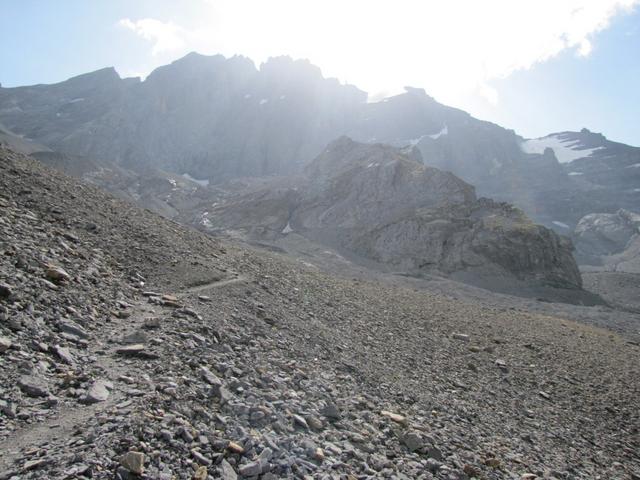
{"x": 377, "y": 204}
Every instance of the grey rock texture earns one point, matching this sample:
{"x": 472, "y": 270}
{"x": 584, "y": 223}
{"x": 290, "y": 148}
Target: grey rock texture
{"x": 375, "y": 202}
{"x": 602, "y": 234}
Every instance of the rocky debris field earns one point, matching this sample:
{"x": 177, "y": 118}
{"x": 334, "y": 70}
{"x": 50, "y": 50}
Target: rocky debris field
{"x": 131, "y": 347}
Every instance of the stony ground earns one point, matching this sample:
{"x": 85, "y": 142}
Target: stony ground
{"x": 131, "y": 347}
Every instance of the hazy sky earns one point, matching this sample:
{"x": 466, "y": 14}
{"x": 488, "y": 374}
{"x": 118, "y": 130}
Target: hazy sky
{"x": 536, "y": 66}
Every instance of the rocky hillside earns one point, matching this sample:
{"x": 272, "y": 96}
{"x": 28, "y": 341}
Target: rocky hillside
{"x": 217, "y": 119}
{"x": 381, "y": 204}
{"x": 132, "y": 347}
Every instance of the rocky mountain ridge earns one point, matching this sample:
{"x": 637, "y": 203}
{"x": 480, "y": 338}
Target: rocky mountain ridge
{"x": 219, "y": 119}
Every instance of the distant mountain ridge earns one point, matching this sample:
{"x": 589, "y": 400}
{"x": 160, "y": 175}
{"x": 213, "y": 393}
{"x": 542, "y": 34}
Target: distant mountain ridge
{"x": 217, "y": 119}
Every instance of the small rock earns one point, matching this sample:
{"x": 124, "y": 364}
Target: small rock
{"x": 5, "y": 290}
{"x": 331, "y": 411}
{"x": 300, "y": 421}
{"x": 318, "y": 455}
{"x": 99, "y": 392}
{"x": 73, "y": 328}
{"x": 544, "y": 395}
{"x": 201, "y": 473}
{"x": 56, "y": 274}
{"x": 412, "y": 441}
{"x": 210, "y": 377}
{"x": 5, "y": 344}
{"x": 33, "y": 386}
{"x": 250, "y": 469}
{"x": 201, "y": 459}
{"x": 461, "y": 336}
{"x": 395, "y": 417}
{"x": 64, "y": 354}
{"x": 133, "y": 462}
{"x": 227, "y": 472}
{"x": 235, "y": 447}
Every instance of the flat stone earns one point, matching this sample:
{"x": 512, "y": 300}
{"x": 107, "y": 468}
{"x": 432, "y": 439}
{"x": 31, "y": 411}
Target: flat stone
{"x": 395, "y": 417}
{"x": 73, "y": 328}
{"x": 98, "y": 392}
{"x": 461, "y": 336}
{"x": 64, "y": 354}
{"x": 33, "y": 386}
{"x": 250, "y": 469}
{"x": 227, "y": 472}
{"x": 210, "y": 377}
{"x": 133, "y": 462}
{"x": 201, "y": 459}
{"x": 5, "y": 344}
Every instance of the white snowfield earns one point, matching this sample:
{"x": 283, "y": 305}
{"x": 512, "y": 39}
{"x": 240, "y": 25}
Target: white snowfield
{"x": 435, "y": 136}
{"x": 566, "y": 151}
{"x": 203, "y": 183}
{"x": 444, "y": 131}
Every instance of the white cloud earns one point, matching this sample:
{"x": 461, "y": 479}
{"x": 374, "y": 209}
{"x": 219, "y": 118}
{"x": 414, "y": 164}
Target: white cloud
{"x": 166, "y": 37}
{"x": 451, "y": 48}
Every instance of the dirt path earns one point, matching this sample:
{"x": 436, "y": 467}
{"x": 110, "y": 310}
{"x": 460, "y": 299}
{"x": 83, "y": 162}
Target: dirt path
{"x": 68, "y": 421}
{"x": 215, "y": 284}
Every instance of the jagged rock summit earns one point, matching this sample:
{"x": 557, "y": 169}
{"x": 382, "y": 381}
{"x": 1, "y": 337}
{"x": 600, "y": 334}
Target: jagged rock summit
{"x": 219, "y": 118}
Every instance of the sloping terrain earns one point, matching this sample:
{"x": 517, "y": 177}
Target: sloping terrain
{"x": 130, "y": 344}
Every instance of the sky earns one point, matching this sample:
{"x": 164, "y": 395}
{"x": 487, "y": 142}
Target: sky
{"x": 536, "y": 66}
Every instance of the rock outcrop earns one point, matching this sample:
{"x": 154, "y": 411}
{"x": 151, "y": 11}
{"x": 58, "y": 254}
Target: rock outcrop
{"x": 377, "y": 204}
{"x": 600, "y": 234}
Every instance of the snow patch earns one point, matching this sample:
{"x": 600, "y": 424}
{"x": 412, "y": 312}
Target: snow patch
{"x": 635, "y": 165}
{"x": 263, "y": 101}
{"x": 561, "y": 224}
{"x": 566, "y": 151}
{"x": 575, "y": 174}
{"x": 444, "y": 131}
{"x": 373, "y": 164}
{"x": 248, "y": 95}
{"x": 282, "y": 97}
{"x": 202, "y": 183}
{"x": 76, "y": 100}
{"x": 287, "y": 229}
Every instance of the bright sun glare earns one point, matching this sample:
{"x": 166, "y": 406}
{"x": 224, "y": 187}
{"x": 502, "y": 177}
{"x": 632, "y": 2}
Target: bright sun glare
{"x": 451, "y": 48}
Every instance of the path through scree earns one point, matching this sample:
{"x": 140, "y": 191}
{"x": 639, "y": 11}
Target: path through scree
{"x": 70, "y": 419}
{"x": 19, "y": 449}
